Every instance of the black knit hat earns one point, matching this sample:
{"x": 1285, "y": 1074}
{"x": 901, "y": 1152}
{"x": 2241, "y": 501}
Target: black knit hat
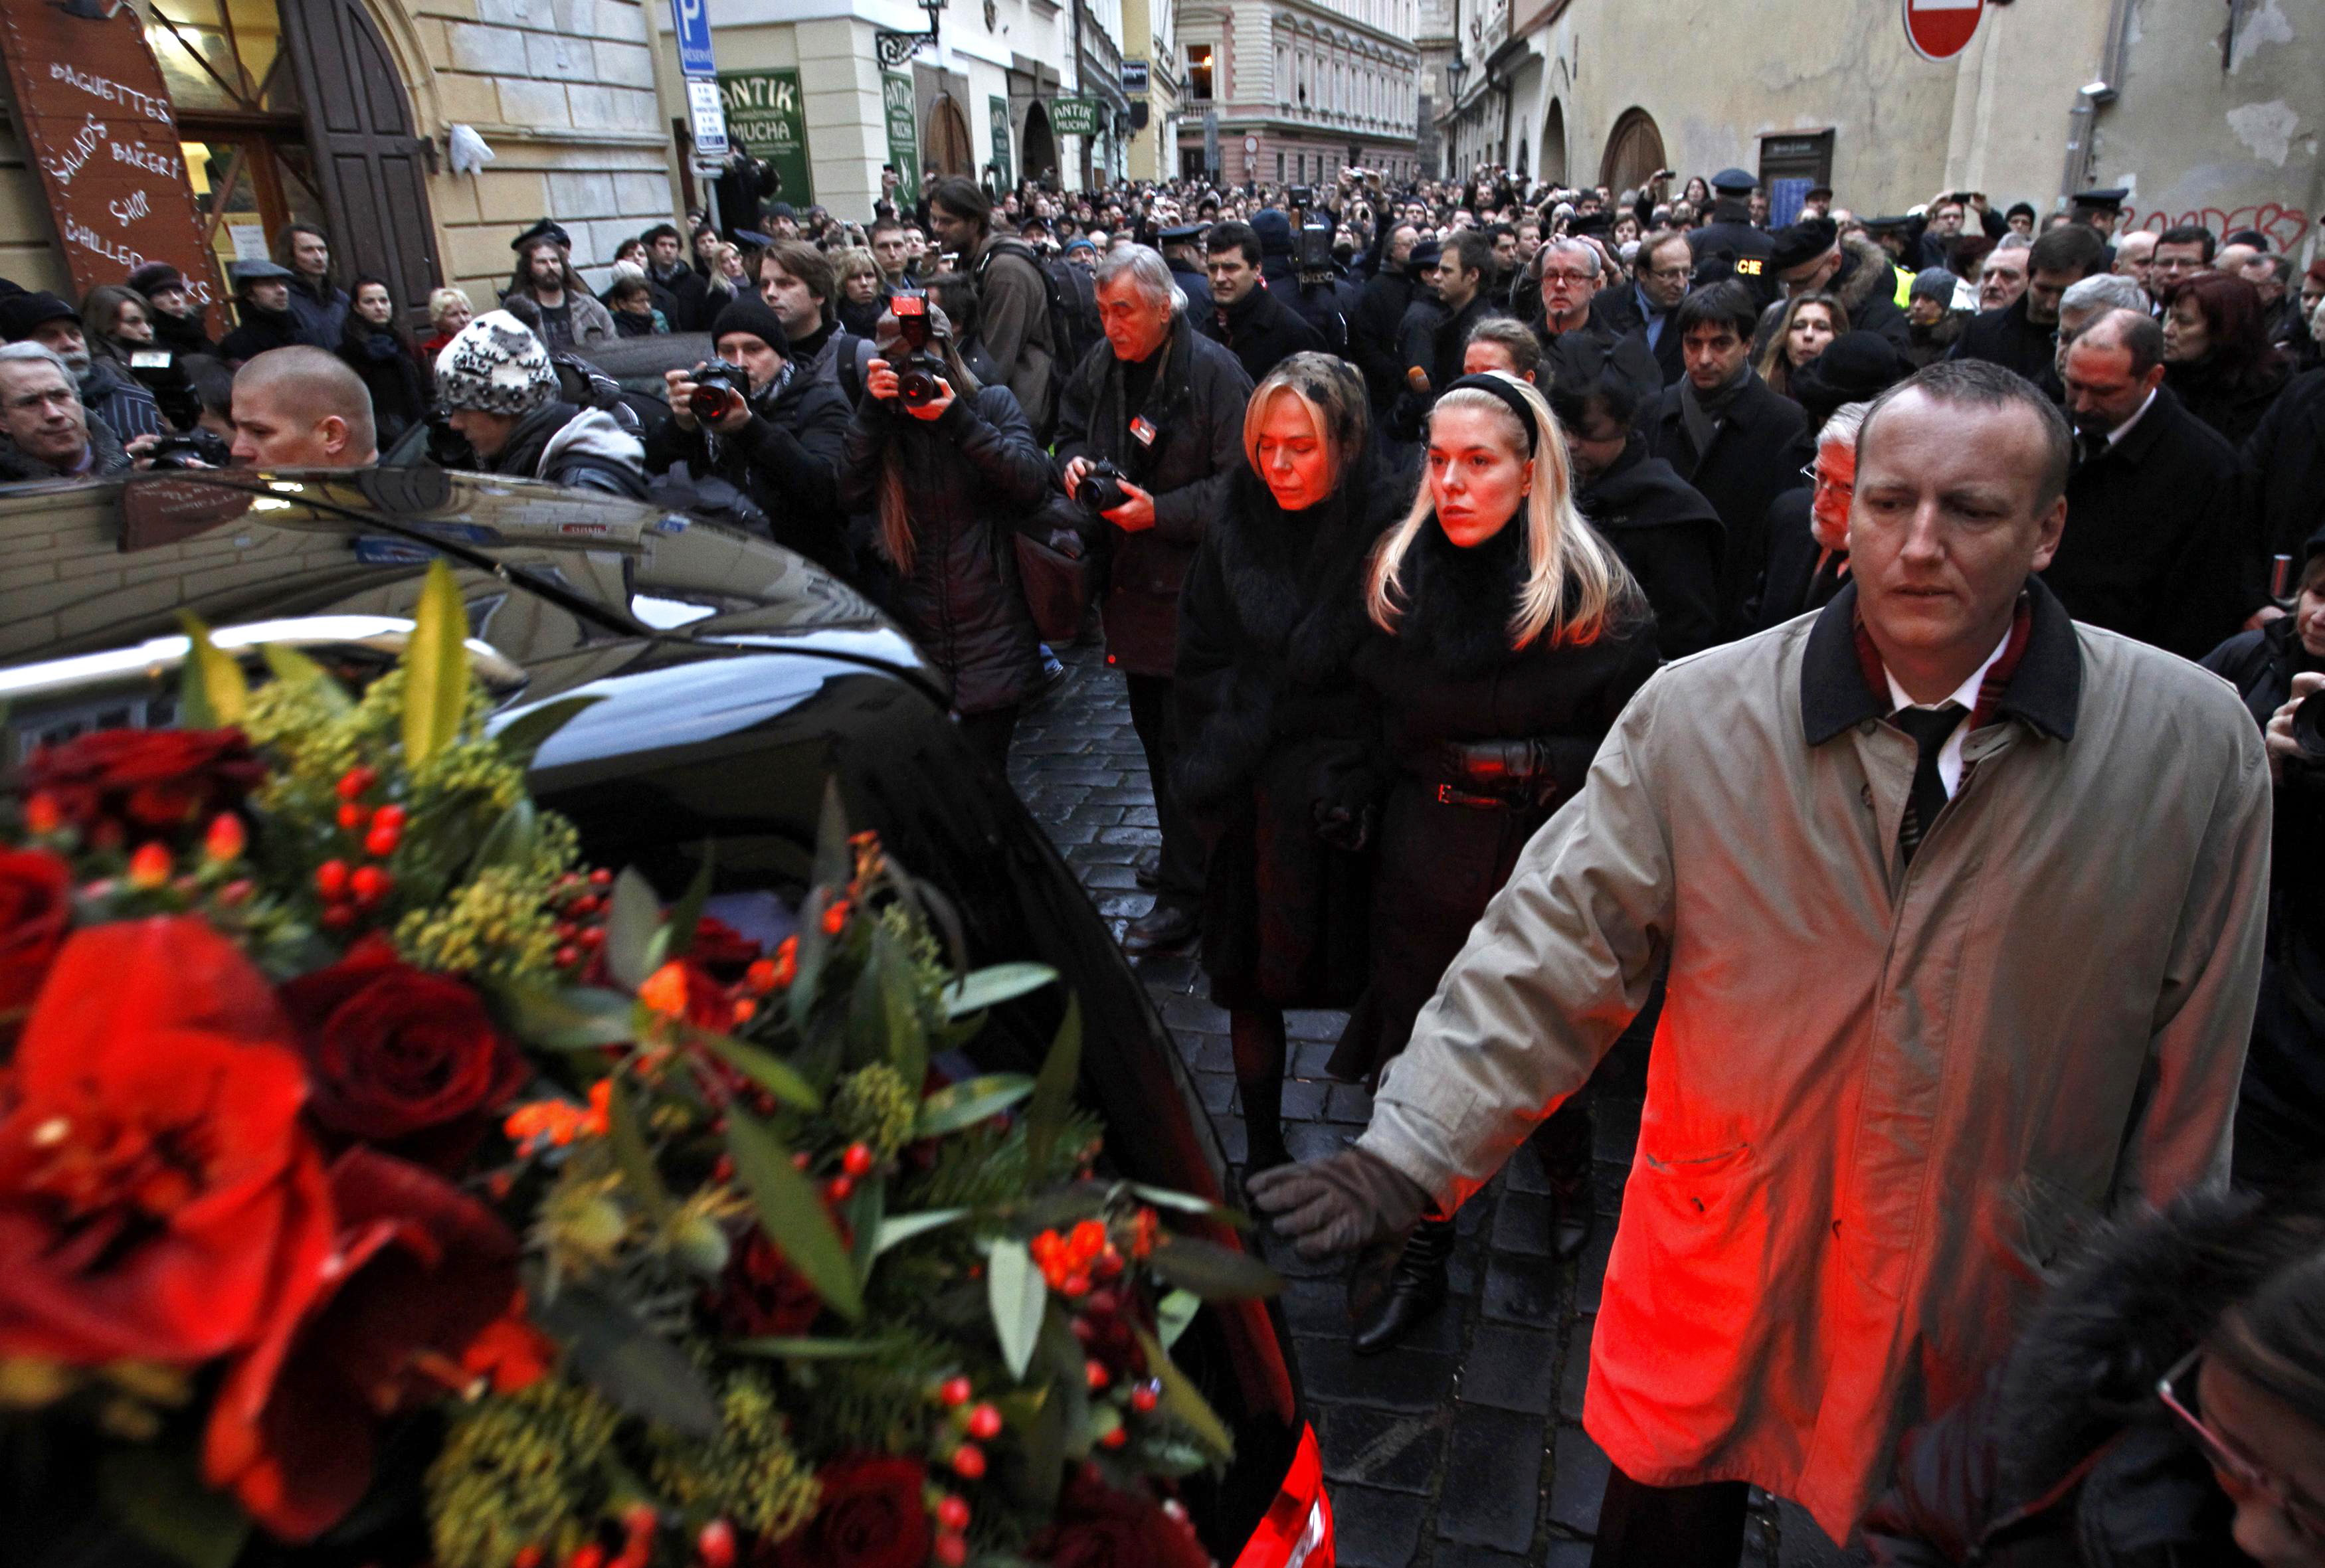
{"x": 1853, "y": 367}
{"x": 21, "y": 313}
{"x": 156, "y": 278}
{"x": 754, "y": 317}
{"x": 1798, "y": 243}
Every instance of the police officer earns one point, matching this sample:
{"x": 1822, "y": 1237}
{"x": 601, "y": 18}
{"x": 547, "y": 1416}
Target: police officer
{"x": 1731, "y": 232}
{"x": 1182, "y": 248}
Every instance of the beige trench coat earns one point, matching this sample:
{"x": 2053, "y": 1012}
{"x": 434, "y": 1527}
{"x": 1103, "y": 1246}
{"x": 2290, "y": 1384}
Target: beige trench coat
{"x": 1880, "y": 1099}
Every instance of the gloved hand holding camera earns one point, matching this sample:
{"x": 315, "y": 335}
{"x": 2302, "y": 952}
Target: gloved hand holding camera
{"x": 713, "y": 396}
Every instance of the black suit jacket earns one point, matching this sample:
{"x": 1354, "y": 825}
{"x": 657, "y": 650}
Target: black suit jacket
{"x": 1617, "y": 310}
{"x": 2157, "y": 534}
{"x": 2007, "y": 338}
{"x": 1756, "y": 454}
{"x": 1790, "y": 588}
{"x": 1261, "y": 331}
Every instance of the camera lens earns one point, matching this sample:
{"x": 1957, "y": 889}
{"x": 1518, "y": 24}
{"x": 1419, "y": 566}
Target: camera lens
{"x": 2309, "y": 727}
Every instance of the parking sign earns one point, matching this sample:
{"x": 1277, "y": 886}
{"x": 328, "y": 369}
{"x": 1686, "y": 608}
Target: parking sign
{"x": 690, "y": 19}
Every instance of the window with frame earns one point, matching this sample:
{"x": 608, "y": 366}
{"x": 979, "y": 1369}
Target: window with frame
{"x": 1199, "y": 70}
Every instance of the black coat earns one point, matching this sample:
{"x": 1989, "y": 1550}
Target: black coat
{"x": 1372, "y": 333}
{"x": 1271, "y": 724}
{"x": 786, "y": 460}
{"x": 1318, "y": 304}
{"x": 1195, "y": 409}
{"x": 1751, "y": 248}
{"x": 1791, "y": 585}
{"x": 2235, "y": 409}
{"x": 1756, "y": 454}
{"x": 260, "y": 330}
{"x": 1449, "y": 674}
{"x": 1194, "y": 283}
{"x": 681, "y": 295}
{"x": 2157, "y": 543}
{"x": 1670, "y": 538}
{"x": 1617, "y": 310}
{"x": 2007, "y": 338}
{"x": 2286, "y": 460}
{"x": 1867, "y": 288}
{"x": 1995, "y": 1476}
{"x": 1260, "y": 330}
{"x": 399, "y": 398}
{"x": 969, "y": 476}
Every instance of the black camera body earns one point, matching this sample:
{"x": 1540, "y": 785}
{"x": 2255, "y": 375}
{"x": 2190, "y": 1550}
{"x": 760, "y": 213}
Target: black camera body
{"x": 2309, "y": 728}
{"x": 196, "y": 450}
{"x": 718, "y": 387}
{"x": 1100, "y": 489}
{"x": 921, "y": 378}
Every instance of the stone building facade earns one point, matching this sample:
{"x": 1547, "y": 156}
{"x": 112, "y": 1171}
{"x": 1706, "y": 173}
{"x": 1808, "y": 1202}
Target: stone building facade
{"x": 1300, "y": 88}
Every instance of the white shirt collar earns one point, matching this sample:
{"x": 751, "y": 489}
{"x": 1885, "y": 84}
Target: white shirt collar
{"x": 1965, "y": 694}
{"x": 2123, "y": 429}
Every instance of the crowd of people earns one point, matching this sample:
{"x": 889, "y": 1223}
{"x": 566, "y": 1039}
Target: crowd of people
{"x": 1546, "y": 613}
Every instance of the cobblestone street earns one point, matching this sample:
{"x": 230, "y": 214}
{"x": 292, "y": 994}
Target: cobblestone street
{"x": 1463, "y": 1448}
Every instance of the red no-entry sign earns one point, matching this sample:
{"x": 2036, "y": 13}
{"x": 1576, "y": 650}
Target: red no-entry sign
{"x": 1939, "y": 29}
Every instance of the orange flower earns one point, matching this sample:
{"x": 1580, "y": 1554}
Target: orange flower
{"x": 665, "y": 990}
{"x": 226, "y": 839}
{"x": 149, "y": 867}
{"x": 511, "y": 1352}
{"x": 560, "y": 1122}
{"x": 835, "y": 918}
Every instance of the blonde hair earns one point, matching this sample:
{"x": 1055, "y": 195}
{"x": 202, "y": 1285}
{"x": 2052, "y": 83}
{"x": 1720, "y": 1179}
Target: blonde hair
{"x": 441, "y": 297}
{"x": 1329, "y": 389}
{"x": 852, "y": 261}
{"x": 1574, "y": 583}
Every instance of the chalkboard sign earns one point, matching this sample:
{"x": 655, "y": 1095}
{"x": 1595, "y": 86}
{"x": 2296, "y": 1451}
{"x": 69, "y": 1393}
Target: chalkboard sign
{"x": 93, "y": 113}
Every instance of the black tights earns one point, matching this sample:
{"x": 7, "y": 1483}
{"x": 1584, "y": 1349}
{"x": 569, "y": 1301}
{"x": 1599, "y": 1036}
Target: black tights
{"x": 1257, "y": 1035}
{"x": 988, "y": 735}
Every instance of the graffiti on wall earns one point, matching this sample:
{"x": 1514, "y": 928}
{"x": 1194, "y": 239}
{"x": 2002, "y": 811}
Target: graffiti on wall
{"x": 2285, "y": 226}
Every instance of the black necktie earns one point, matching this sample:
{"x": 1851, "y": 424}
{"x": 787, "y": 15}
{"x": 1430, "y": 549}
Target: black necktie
{"x": 1929, "y": 727}
{"x": 2091, "y": 445}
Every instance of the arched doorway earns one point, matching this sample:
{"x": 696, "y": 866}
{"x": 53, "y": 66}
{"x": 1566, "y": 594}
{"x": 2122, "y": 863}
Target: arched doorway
{"x": 1635, "y": 151}
{"x": 1040, "y": 160}
{"x": 295, "y": 113}
{"x": 1521, "y": 164}
{"x": 1554, "y": 145}
{"x": 946, "y": 147}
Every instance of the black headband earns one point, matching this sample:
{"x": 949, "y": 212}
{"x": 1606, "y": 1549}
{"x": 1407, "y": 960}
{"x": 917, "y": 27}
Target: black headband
{"x": 1503, "y": 389}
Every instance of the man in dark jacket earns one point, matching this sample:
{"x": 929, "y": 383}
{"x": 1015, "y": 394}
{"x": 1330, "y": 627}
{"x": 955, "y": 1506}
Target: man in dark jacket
{"x": 780, "y": 444}
{"x": 319, "y": 305}
{"x": 45, "y": 434}
{"x": 1317, "y": 300}
{"x": 2156, "y": 536}
{"x": 1258, "y": 328}
{"x": 262, "y": 307}
{"x": 1644, "y": 305}
{"x": 1664, "y": 530}
{"x": 1183, "y": 247}
{"x": 1811, "y": 255}
{"x": 106, "y": 390}
{"x": 1163, "y": 404}
{"x": 679, "y": 288}
{"x": 497, "y": 379}
{"x": 1380, "y": 309}
{"x": 1014, "y": 329}
{"x": 1737, "y": 442}
{"x": 2024, "y": 335}
{"x": 2286, "y": 458}
{"x": 1434, "y": 341}
{"x": 1730, "y": 233}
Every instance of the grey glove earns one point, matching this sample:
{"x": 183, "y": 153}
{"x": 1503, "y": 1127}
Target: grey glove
{"x": 1339, "y": 1205}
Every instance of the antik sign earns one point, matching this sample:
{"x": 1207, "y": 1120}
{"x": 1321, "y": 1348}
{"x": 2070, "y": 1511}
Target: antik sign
{"x": 767, "y": 118}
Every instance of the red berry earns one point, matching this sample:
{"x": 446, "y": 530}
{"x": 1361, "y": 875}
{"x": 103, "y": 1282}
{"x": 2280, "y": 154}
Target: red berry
{"x": 722, "y": 1169}
{"x": 331, "y": 878}
{"x": 800, "y": 1160}
{"x": 955, "y": 1392}
{"x": 1095, "y": 1374}
{"x": 1076, "y": 1284}
{"x": 1085, "y": 1330}
{"x": 601, "y": 878}
{"x": 984, "y": 1423}
{"x": 527, "y": 1556}
{"x": 951, "y": 1551}
{"x": 640, "y": 1519}
{"x": 1143, "y": 1398}
{"x": 567, "y": 957}
{"x": 1115, "y": 1438}
{"x": 969, "y": 1461}
{"x": 388, "y": 816}
{"x": 839, "y": 1188}
{"x": 952, "y": 1514}
{"x": 381, "y": 840}
{"x": 353, "y": 817}
{"x": 354, "y": 781}
{"x": 369, "y": 884}
{"x": 338, "y": 917}
{"x": 593, "y": 937}
{"x": 857, "y": 1161}
{"x": 588, "y": 1555}
{"x": 1102, "y": 1304}
{"x": 716, "y": 1545}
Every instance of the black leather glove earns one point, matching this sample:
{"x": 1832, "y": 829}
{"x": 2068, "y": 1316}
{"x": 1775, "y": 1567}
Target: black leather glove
{"x": 1340, "y": 1204}
{"x": 1514, "y": 769}
{"x": 1345, "y": 827}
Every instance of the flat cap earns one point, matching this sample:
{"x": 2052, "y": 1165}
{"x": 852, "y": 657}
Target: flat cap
{"x": 2108, "y": 199}
{"x": 1798, "y": 243}
{"x": 1734, "y": 180}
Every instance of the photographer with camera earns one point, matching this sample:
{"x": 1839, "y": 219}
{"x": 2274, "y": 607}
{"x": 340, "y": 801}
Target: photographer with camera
{"x": 1150, "y": 432}
{"x": 756, "y": 418}
{"x": 946, "y": 467}
{"x": 2279, "y": 670}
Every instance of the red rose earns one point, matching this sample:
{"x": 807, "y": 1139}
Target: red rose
{"x": 146, "y": 780}
{"x": 1098, "y": 1526}
{"x": 721, "y": 949}
{"x": 872, "y": 1515}
{"x": 762, "y": 1295}
{"x": 395, "y": 1050}
{"x": 420, "y": 1271}
{"x": 160, "y": 1199}
{"x": 35, "y": 906}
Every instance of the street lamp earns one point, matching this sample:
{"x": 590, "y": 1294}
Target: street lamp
{"x": 1455, "y": 70}
{"x": 896, "y": 48}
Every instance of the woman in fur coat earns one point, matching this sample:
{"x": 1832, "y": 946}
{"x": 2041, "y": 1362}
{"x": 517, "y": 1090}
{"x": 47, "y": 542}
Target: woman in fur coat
{"x": 1275, "y": 764}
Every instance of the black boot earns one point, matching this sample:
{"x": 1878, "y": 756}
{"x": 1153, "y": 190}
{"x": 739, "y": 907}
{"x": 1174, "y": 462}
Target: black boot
{"x": 1574, "y": 1217}
{"x": 1563, "y": 1145}
{"x": 1416, "y": 1289}
{"x": 1256, "y": 1037}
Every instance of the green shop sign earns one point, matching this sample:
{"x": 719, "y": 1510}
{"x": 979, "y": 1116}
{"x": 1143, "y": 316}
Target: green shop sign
{"x": 767, "y": 117}
{"x": 903, "y": 132}
{"x": 1004, "y": 165}
{"x": 1075, "y": 116}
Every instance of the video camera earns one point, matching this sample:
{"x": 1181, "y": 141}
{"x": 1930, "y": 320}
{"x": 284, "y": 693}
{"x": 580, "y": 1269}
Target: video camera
{"x": 1311, "y": 238}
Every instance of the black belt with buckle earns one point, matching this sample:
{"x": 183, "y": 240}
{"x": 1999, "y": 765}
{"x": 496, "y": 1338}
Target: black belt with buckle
{"x": 1447, "y": 795}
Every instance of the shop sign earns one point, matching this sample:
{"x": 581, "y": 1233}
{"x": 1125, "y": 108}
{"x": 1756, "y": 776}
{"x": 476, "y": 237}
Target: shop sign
{"x": 1005, "y": 166}
{"x": 1075, "y": 116}
{"x": 767, "y": 116}
{"x": 1134, "y": 77}
{"x": 96, "y": 119}
{"x": 903, "y": 131}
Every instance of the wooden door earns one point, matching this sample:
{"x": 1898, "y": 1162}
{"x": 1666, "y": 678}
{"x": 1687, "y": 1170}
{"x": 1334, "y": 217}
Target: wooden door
{"x": 1635, "y": 151}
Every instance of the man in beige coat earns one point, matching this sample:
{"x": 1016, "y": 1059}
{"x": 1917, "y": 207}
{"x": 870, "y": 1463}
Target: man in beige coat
{"x": 1934, "y": 1003}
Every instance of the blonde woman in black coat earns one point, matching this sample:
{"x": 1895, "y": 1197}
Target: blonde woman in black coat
{"x": 1506, "y": 636}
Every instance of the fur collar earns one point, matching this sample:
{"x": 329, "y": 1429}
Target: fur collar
{"x": 1457, "y": 602}
{"x": 1870, "y": 269}
{"x": 1296, "y": 579}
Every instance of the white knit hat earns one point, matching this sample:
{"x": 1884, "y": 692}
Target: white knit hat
{"x": 495, "y": 364}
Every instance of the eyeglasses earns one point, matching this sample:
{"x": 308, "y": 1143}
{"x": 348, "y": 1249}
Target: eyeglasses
{"x": 1844, "y": 490}
{"x": 2238, "y": 1477}
{"x": 1571, "y": 279}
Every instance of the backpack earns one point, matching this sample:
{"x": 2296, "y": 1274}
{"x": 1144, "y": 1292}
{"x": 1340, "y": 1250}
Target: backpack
{"x": 1080, "y": 293}
{"x": 1062, "y": 312}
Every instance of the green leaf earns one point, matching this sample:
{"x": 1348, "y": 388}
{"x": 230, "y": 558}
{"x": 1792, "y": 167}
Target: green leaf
{"x": 791, "y": 1213}
{"x": 634, "y": 1366}
{"x": 1053, "y": 1089}
{"x": 991, "y": 987}
{"x": 766, "y": 1069}
{"x": 513, "y": 839}
{"x": 970, "y": 1101}
{"x": 1173, "y": 1313}
{"x": 1213, "y": 1272}
{"x": 435, "y": 667}
{"x": 1189, "y": 1203}
{"x": 1014, "y": 1290}
{"x": 578, "y": 1018}
{"x": 898, "y": 1228}
{"x": 628, "y": 1140}
{"x": 687, "y": 913}
{"x": 834, "y": 861}
{"x": 524, "y": 735}
{"x": 811, "y": 1349}
{"x": 908, "y": 1041}
{"x": 867, "y": 1206}
{"x": 814, "y": 948}
{"x": 158, "y": 1493}
{"x": 212, "y": 692}
{"x": 292, "y": 668}
{"x": 633, "y": 917}
{"x": 1183, "y": 1402}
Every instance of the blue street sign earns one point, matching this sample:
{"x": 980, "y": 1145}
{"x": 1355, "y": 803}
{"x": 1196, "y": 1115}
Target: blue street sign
{"x": 692, "y": 20}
